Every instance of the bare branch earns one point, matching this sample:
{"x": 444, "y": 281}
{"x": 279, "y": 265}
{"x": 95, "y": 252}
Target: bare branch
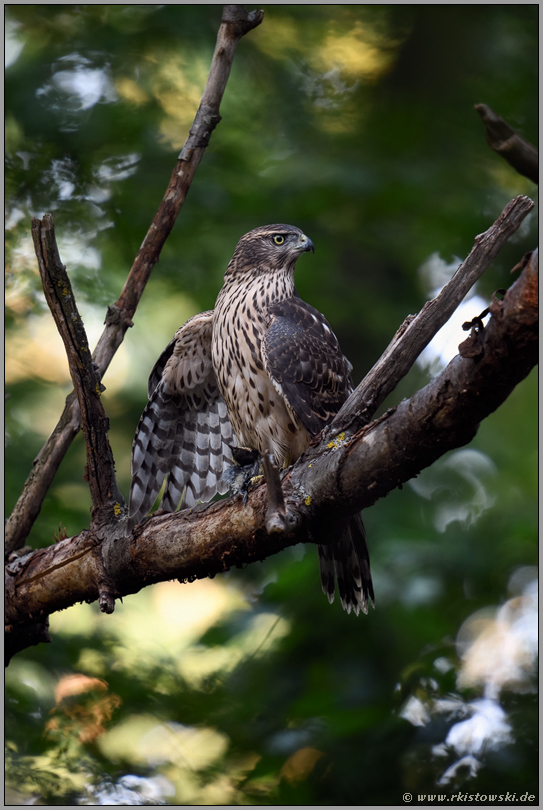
{"x": 107, "y": 500}
{"x": 515, "y": 149}
{"x": 28, "y": 506}
{"x": 443, "y": 415}
{"x": 417, "y": 332}
{"x": 235, "y": 23}
{"x": 341, "y": 476}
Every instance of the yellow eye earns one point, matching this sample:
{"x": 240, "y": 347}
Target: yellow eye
{"x": 278, "y": 239}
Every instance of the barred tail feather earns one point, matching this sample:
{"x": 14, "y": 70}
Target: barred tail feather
{"x": 347, "y": 560}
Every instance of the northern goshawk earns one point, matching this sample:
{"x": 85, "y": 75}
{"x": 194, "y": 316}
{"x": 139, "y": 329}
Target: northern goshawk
{"x": 264, "y": 371}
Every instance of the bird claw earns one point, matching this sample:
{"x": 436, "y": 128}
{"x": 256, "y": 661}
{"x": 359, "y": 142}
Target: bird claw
{"x": 243, "y": 472}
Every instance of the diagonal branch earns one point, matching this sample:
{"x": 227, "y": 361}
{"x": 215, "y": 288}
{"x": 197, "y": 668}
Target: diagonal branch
{"x": 345, "y": 476}
{"x": 235, "y": 23}
{"x": 416, "y": 332}
{"x": 26, "y": 510}
{"x": 106, "y": 497}
{"x": 443, "y": 415}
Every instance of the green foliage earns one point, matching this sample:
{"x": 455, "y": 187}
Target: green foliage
{"x": 356, "y": 123}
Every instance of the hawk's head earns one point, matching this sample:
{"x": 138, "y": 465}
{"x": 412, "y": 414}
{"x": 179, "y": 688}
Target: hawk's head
{"x": 270, "y": 248}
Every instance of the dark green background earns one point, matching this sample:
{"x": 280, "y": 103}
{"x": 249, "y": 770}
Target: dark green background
{"x": 356, "y": 124}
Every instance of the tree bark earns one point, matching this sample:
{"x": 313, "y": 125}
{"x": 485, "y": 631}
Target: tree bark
{"x": 333, "y": 478}
{"x": 106, "y": 497}
{"x": 416, "y": 332}
{"x": 235, "y": 23}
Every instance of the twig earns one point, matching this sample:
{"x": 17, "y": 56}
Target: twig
{"x": 416, "y": 332}
{"x": 235, "y": 23}
{"x": 349, "y": 476}
{"x": 107, "y": 500}
{"x": 515, "y": 149}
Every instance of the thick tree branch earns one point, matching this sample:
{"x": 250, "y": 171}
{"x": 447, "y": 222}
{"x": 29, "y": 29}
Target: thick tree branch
{"x": 416, "y": 332}
{"x": 337, "y": 478}
{"x": 442, "y": 416}
{"x": 515, "y": 149}
{"x": 235, "y": 23}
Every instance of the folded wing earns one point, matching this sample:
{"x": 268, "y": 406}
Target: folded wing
{"x": 305, "y": 363}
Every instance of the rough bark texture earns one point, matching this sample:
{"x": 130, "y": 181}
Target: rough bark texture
{"x": 417, "y": 332}
{"x": 235, "y": 23}
{"x": 107, "y": 500}
{"x": 332, "y": 478}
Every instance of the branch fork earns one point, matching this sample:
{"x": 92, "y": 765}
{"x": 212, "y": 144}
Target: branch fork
{"x": 236, "y": 22}
{"x": 349, "y": 471}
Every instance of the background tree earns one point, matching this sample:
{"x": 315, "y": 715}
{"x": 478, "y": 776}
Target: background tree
{"x": 357, "y": 126}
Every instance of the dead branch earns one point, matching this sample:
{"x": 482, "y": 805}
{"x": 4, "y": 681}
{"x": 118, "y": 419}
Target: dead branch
{"x": 235, "y": 23}
{"x": 443, "y": 415}
{"x": 46, "y": 464}
{"x": 107, "y": 501}
{"x": 106, "y": 497}
{"x": 416, "y": 332}
{"x": 337, "y": 477}
{"x": 508, "y": 143}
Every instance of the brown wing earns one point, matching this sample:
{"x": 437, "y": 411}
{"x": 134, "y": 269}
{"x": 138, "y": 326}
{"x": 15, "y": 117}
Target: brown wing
{"x": 305, "y": 362}
{"x": 184, "y": 432}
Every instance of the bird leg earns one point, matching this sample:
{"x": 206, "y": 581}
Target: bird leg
{"x": 241, "y": 475}
{"x": 276, "y": 513}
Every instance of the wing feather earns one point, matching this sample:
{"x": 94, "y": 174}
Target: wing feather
{"x": 305, "y": 362}
{"x": 309, "y": 370}
{"x": 184, "y": 433}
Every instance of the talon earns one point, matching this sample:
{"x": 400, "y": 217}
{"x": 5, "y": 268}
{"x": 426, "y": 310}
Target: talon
{"x": 243, "y": 472}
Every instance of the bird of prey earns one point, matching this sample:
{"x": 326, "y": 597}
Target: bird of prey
{"x": 262, "y": 371}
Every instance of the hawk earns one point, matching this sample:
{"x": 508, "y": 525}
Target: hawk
{"x": 262, "y": 371}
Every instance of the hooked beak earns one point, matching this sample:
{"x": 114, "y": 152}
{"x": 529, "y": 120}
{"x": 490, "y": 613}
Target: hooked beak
{"x": 305, "y": 244}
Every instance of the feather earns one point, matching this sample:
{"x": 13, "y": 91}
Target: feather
{"x": 184, "y": 434}
{"x": 303, "y": 357}
{"x": 347, "y": 559}
{"x": 264, "y": 371}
